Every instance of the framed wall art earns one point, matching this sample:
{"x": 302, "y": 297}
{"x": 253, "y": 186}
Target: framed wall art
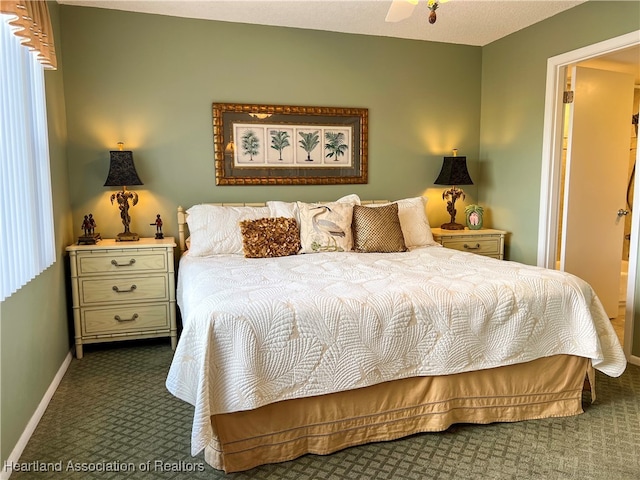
{"x": 289, "y": 145}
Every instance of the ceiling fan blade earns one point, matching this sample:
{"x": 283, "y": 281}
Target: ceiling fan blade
{"x": 400, "y": 9}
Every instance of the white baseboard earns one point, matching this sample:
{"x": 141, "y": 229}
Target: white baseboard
{"x": 14, "y": 456}
{"x": 634, "y": 360}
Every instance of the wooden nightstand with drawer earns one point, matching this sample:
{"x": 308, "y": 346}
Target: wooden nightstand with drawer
{"x": 487, "y": 241}
{"x": 123, "y": 291}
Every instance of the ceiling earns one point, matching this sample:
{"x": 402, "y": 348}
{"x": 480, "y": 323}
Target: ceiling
{"x": 467, "y": 22}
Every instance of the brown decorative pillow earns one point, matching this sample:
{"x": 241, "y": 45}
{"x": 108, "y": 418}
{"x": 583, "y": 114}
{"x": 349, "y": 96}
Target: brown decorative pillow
{"x": 377, "y": 229}
{"x": 270, "y": 237}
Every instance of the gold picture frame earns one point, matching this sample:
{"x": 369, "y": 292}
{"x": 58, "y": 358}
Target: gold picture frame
{"x": 289, "y": 145}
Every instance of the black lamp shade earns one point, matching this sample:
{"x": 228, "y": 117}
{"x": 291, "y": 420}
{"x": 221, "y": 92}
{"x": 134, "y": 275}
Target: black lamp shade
{"x": 454, "y": 172}
{"x": 122, "y": 171}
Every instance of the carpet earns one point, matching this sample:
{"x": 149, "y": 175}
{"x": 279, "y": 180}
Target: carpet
{"x": 112, "y": 418}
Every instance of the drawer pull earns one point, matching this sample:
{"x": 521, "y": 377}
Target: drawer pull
{"x": 472, "y": 247}
{"x": 116, "y": 264}
{"x": 117, "y": 290}
{"x": 117, "y": 318}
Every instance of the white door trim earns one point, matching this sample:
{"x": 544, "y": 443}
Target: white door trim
{"x": 551, "y": 163}
{"x": 632, "y": 273}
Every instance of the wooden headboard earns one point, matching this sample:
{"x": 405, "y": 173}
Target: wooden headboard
{"x": 182, "y": 217}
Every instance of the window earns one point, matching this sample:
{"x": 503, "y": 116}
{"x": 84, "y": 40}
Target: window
{"x": 27, "y": 245}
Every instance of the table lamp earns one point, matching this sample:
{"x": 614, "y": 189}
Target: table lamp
{"x": 122, "y": 173}
{"x": 454, "y": 172}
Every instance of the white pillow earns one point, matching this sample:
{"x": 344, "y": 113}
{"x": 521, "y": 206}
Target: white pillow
{"x": 290, "y": 209}
{"x": 215, "y": 229}
{"x": 283, "y": 209}
{"x": 351, "y": 198}
{"x": 413, "y": 222}
{"x": 325, "y": 227}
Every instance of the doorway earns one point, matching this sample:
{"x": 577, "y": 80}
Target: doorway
{"x": 550, "y": 198}
{"x": 597, "y": 135}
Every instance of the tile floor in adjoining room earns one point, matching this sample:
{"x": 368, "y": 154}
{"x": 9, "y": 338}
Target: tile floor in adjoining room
{"x": 618, "y": 323}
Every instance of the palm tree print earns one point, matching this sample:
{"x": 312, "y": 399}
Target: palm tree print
{"x": 335, "y": 144}
{"x": 279, "y": 141}
{"x": 308, "y": 142}
{"x": 250, "y": 144}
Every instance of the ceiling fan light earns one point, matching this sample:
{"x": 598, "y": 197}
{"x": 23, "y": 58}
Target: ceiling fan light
{"x": 402, "y": 9}
{"x": 433, "y": 5}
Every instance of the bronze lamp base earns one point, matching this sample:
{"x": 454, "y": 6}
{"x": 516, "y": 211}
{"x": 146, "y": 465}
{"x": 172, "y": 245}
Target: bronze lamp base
{"x": 451, "y": 226}
{"x": 127, "y": 237}
{"x": 452, "y": 194}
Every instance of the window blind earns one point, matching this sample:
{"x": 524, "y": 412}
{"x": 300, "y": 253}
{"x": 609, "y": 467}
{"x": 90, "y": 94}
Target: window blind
{"x": 27, "y": 242}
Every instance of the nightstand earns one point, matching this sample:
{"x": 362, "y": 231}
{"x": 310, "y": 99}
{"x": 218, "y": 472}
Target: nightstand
{"x": 487, "y": 241}
{"x": 123, "y": 291}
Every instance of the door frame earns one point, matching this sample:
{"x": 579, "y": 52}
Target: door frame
{"x": 552, "y": 164}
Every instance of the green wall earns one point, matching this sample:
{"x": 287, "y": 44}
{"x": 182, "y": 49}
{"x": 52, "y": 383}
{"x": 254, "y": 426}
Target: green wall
{"x": 513, "y": 94}
{"x": 35, "y": 327}
{"x": 150, "y": 81}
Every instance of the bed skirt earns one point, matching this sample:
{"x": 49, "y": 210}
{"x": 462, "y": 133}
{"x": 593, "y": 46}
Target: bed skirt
{"x": 547, "y": 387}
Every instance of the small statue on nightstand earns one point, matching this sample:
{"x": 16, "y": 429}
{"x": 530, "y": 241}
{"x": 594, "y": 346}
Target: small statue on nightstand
{"x": 90, "y": 236}
{"x": 86, "y": 226}
{"x": 92, "y": 225}
{"x": 158, "y": 224}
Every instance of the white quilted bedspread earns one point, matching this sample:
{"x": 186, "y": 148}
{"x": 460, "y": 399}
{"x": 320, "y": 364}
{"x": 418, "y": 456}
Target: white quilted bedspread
{"x": 258, "y": 331}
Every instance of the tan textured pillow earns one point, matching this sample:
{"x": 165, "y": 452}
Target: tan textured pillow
{"x": 414, "y": 222}
{"x": 377, "y": 229}
{"x": 270, "y": 237}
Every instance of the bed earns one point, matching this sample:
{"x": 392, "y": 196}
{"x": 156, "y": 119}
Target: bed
{"x": 342, "y": 344}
